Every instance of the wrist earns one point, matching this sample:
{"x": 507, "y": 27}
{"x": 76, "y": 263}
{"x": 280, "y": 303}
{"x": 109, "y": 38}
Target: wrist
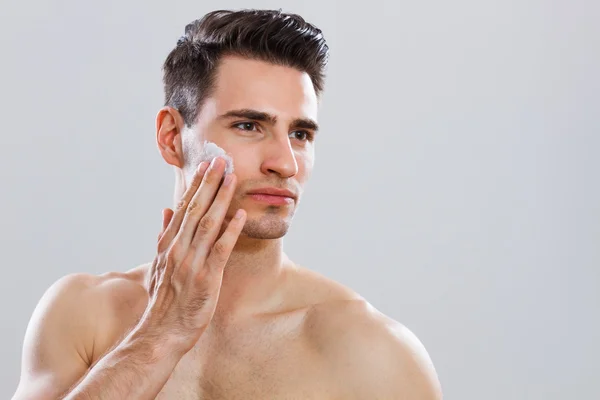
{"x": 156, "y": 345}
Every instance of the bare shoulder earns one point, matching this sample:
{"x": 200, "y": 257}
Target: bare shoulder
{"x": 120, "y": 299}
{"x": 125, "y": 292}
{"x": 91, "y": 305}
{"x": 108, "y": 283}
{"x": 312, "y": 288}
{"x": 69, "y": 329}
{"x": 378, "y": 356}
{"x": 92, "y": 293}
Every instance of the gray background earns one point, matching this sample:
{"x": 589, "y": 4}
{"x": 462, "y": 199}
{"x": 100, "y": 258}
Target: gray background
{"x": 455, "y": 185}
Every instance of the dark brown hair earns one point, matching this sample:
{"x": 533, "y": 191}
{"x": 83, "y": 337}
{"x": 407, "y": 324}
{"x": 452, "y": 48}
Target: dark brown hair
{"x": 267, "y": 35}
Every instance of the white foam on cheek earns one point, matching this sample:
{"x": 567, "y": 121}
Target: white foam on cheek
{"x": 211, "y": 150}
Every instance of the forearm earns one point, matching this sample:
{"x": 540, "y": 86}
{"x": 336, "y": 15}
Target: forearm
{"x": 136, "y": 369}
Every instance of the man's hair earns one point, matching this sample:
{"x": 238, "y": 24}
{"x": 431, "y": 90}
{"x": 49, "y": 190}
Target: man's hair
{"x": 267, "y": 35}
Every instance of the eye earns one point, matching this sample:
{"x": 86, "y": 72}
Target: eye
{"x": 246, "y": 126}
{"x": 303, "y": 136}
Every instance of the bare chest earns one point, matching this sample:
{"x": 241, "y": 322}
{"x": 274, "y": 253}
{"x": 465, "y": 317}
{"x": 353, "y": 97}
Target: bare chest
{"x": 260, "y": 363}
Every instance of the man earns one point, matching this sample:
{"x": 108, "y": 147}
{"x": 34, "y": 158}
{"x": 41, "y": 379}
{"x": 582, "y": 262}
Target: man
{"x": 222, "y": 312}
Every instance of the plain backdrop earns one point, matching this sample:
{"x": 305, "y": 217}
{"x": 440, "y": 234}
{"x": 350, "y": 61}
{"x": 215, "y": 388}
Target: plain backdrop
{"x": 456, "y": 183}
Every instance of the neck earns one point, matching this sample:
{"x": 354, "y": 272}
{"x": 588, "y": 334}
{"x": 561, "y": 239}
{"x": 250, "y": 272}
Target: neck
{"x": 251, "y": 278}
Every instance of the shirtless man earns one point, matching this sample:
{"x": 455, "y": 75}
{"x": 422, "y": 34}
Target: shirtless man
{"x": 222, "y": 312}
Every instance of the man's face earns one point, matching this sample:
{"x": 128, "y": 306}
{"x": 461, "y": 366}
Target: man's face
{"x": 264, "y": 116}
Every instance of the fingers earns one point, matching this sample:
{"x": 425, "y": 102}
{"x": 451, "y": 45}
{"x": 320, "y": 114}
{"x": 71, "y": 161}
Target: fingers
{"x": 167, "y": 214}
{"x": 221, "y": 250}
{"x": 181, "y": 208}
{"x": 195, "y": 217}
{"x": 211, "y": 223}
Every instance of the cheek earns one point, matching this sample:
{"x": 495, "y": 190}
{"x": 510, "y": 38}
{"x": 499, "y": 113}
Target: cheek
{"x": 244, "y": 162}
{"x": 305, "y": 163}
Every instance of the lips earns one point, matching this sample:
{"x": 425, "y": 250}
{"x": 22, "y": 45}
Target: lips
{"x": 272, "y": 191}
{"x": 272, "y": 196}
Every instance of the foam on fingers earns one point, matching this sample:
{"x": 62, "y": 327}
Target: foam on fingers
{"x": 210, "y": 150}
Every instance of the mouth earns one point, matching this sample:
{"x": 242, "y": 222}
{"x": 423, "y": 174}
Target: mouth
{"x": 271, "y": 199}
{"x": 273, "y": 196}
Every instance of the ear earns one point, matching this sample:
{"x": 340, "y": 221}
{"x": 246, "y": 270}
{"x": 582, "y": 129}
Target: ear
{"x": 169, "y": 125}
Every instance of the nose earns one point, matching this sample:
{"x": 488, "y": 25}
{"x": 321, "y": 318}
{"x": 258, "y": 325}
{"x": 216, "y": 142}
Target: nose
{"x": 279, "y": 158}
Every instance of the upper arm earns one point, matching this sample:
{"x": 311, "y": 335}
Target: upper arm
{"x": 55, "y": 349}
{"x": 380, "y": 358}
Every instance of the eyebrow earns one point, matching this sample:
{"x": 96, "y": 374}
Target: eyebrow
{"x": 255, "y": 115}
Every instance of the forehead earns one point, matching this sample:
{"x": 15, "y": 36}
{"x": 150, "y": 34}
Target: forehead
{"x": 243, "y": 83}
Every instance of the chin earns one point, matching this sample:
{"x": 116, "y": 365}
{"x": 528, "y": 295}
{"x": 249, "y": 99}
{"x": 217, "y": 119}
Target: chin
{"x": 267, "y": 227}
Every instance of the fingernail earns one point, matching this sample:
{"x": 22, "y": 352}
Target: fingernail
{"x": 201, "y": 166}
{"x": 213, "y": 162}
{"x": 228, "y": 179}
{"x": 238, "y": 214}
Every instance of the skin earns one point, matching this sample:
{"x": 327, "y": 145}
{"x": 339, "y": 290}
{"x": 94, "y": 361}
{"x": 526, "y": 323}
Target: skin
{"x": 269, "y": 327}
